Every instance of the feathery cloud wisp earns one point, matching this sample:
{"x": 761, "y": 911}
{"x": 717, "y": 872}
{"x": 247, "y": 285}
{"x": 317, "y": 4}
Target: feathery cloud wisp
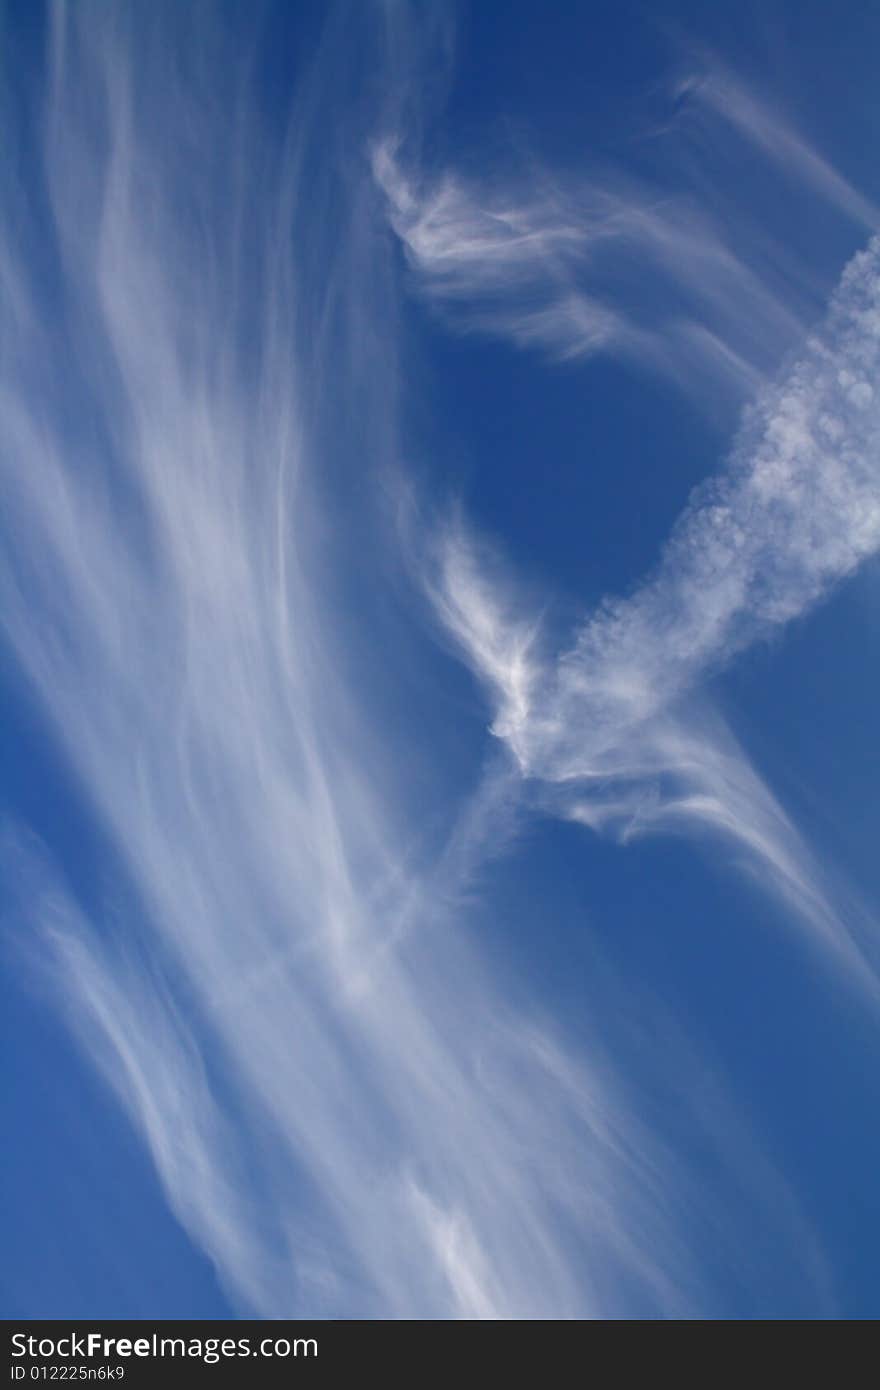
{"x": 561, "y": 262}
{"x": 797, "y": 510}
{"x": 344, "y": 1110}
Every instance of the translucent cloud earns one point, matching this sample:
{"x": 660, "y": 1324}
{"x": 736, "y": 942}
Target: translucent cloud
{"x": 796, "y": 511}
{"x": 346, "y": 1110}
{"x": 509, "y": 263}
{"x": 731, "y": 100}
{"x": 673, "y": 278}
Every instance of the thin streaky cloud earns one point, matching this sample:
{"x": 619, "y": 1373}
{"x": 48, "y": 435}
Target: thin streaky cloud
{"x": 732, "y": 101}
{"x": 796, "y": 511}
{"x": 351, "y": 1106}
{"x": 557, "y": 262}
{"x": 510, "y": 262}
{"x": 345, "y": 1111}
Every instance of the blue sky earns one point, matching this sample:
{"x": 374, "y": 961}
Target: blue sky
{"x": 440, "y": 518}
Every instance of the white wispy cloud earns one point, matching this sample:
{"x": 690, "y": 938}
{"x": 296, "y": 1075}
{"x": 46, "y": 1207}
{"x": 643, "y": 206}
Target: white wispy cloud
{"x": 509, "y": 262}
{"x": 670, "y": 275}
{"x": 796, "y": 510}
{"x": 716, "y": 89}
{"x": 344, "y": 1109}
{"x": 612, "y": 719}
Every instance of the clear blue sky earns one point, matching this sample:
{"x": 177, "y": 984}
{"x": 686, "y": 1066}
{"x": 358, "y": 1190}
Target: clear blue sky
{"x": 440, "y": 509}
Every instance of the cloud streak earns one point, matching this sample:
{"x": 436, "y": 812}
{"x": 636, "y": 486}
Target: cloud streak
{"x": 560, "y": 262}
{"x": 342, "y": 1107}
{"x": 345, "y": 1107}
{"x": 796, "y": 511}
{"x": 612, "y": 717}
